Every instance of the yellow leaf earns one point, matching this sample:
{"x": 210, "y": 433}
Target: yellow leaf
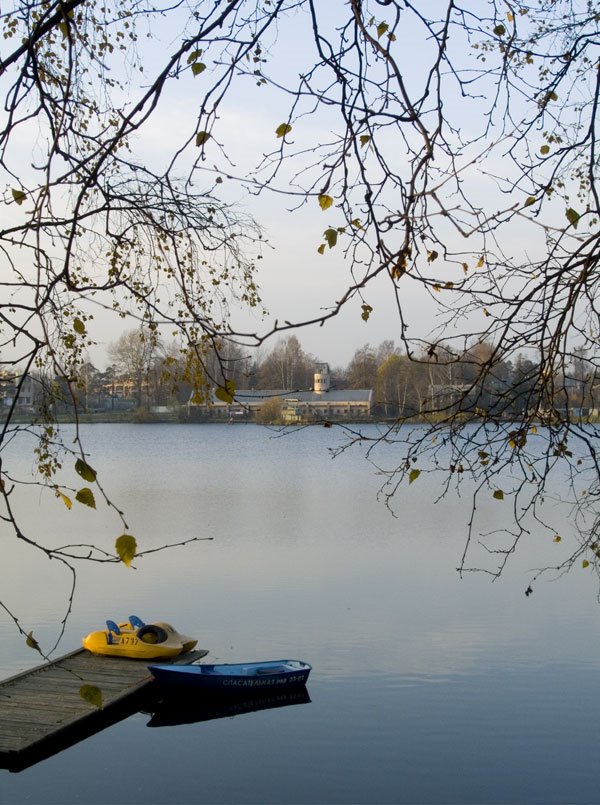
{"x": 283, "y": 129}
{"x": 480, "y": 262}
{"x": 364, "y": 139}
{"x": 529, "y": 201}
{"x": 499, "y": 494}
{"x": 202, "y": 137}
{"x": 79, "y": 326}
{"x": 325, "y": 201}
{"x": 321, "y": 249}
{"x": 126, "y": 547}
{"x": 66, "y": 500}
{"x": 557, "y": 539}
{"x": 432, "y": 255}
{"x": 585, "y": 563}
{"x": 91, "y": 694}
{"x": 32, "y": 642}
{"x": 381, "y": 29}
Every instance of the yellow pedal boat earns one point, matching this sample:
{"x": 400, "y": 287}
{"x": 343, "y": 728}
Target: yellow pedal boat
{"x": 138, "y": 640}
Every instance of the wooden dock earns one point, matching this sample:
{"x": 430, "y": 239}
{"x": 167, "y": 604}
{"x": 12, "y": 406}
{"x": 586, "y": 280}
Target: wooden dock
{"x": 55, "y": 705}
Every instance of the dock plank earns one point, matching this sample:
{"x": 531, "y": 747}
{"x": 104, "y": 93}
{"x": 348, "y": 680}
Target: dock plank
{"x": 41, "y": 704}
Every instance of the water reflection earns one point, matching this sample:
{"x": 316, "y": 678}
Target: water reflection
{"x": 425, "y": 688}
{"x": 177, "y": 709}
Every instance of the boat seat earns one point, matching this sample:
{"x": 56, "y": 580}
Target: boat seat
{"x": 150, "y": 633}
{"x": 112, "y": 627}
{"x": 136, "y": 622}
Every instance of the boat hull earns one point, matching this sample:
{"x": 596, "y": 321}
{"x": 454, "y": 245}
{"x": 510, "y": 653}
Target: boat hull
{"x": 128, "y": 644}
{"x": 239, "y": 678}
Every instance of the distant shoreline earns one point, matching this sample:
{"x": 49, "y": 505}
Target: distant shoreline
{"x": 174, "y": 418}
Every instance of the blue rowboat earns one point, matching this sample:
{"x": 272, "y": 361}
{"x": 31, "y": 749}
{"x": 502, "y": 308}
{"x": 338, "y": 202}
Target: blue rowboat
{"x": 245, "y": 677}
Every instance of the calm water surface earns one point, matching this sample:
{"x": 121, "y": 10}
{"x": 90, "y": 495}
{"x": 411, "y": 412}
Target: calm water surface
{"x": 426, "y": 688}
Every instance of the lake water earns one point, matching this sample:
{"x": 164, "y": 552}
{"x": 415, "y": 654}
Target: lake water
{"x": 425, "y": 688}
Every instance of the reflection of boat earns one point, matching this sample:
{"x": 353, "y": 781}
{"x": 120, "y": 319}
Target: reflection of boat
{"x": 239, "y": 678}
{"x": 176, "y": 709}
{"x": 138, "y": 640}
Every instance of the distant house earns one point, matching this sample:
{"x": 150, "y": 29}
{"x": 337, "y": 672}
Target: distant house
{"x": 322, "y": 402}
{"x": 22, "y": 391}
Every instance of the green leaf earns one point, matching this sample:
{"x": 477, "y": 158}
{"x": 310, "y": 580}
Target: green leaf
{"x": 545, "y": 149}
{"x": 225, "y": 393}
{"x": 529, "y": 201}
{"x": 79, "y": 326}
{"x": 413, "y": 475}
{"x": 198, "y": 67}
{"x": 194, "y": 56}
{"x": 557, "y": 539}
{"x": 18, "y": 195}
{"x": 32, "y": 642}
{"x": 85, "y": 471}
{"x": 381, "y": 29}
{"x": 330, "y": 236}
{"x": 325, "y": 201}
{"x": 585, "y": 564}
{"x": 500, "y": 30}
{"x": 92, "y": 695}
{"x": 86, "y": 496}
{"x": 572, "y": 216}
{"x": 364, "y": 139}
{"x": 321, "y": 249}
{"x": 366, "y": 312}
{"x": 499, "y": 494}
{"x": 202, "y": 137}
{"x": 126, "y": 547}
{"x": 283, "y": 129}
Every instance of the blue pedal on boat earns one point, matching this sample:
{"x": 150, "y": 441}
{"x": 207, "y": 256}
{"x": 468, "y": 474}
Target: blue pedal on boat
{"x": 230, "y": 678}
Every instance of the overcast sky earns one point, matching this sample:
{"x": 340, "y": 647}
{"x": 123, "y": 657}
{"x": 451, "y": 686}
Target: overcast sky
{"x": 297, "y": 283}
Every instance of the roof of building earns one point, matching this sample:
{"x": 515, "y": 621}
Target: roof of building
{"x": 253, "y": 397}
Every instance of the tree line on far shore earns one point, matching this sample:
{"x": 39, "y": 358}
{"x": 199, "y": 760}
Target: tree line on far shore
{"x": 144, "y": 372}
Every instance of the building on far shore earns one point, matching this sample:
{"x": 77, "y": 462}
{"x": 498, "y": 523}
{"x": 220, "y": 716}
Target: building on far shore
{"x": 321, "y": 403}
